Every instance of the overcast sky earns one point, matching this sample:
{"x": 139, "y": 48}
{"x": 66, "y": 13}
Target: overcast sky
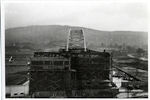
{"x": 109, "y": 16}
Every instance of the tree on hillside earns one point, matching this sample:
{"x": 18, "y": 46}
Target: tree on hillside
{"x": 140, "y": 51}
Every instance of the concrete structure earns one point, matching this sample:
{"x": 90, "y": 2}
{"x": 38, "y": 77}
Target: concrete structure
{"x": 72, "y": 72}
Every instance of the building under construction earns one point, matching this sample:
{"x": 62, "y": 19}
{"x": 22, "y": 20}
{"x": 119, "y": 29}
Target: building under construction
{"x": 72, "y": 72}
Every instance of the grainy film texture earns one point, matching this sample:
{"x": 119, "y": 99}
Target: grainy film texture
{"x": 76, "y": 49}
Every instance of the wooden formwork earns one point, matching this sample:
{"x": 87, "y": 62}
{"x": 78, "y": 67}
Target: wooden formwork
{"x": 88, "y": 74}
{"x": 55, "y": 80}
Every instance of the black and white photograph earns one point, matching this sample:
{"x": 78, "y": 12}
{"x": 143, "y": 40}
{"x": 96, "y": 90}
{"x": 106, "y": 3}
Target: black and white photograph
{"x": 76, "y": 49}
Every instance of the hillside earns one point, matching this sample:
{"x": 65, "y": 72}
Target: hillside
{"x": 50, "y": 36}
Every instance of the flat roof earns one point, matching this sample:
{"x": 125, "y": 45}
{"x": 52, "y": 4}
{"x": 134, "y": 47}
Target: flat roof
{"x": 15, "y": 79}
